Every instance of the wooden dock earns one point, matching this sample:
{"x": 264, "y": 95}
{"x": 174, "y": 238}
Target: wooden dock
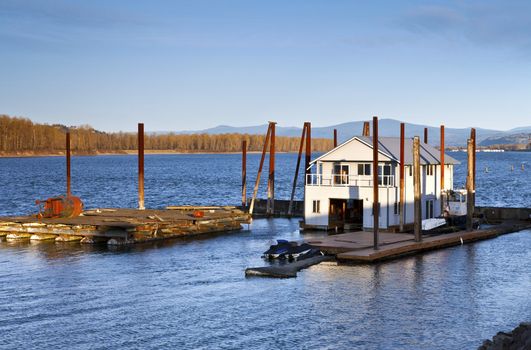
{"x": 357, "y": 247}
{"x": 125, "y": 226}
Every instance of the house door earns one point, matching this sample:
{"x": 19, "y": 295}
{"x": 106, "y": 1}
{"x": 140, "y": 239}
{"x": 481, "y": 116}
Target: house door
{"x": 354, "y": 213}
{"x": 345, "y": 212}
{"x": 336, "y": 213}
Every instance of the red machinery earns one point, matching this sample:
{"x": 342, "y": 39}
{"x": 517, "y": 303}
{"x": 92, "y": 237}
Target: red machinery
{"x": 60, "y": 207}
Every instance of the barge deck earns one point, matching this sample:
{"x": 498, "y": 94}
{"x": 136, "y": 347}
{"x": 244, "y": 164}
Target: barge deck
{"x": 118, "y": 226}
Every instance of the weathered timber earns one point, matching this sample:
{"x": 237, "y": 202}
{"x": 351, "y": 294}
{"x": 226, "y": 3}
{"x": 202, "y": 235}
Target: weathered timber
{"x": 402, "y": 207}
{"x": 271, "y": 179}
{"x": 262, "y": 158}
{"x": 282, "y": 208}
{"x": 301, "y": 144}
{"x": 375, "y": 184}
{"x": 442, "y": 169}
{"x": 244, "y": 173}
{"x": 409, "y": 247}
{"x": 141, "y": 166}
{"x": 470, "y": 185}
{"x": 124, "y": 226}
{"x": 68, "y": 167}
{"x": 416, "y": 184}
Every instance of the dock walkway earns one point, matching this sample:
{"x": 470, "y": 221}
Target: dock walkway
{"x": 357, "y": 247}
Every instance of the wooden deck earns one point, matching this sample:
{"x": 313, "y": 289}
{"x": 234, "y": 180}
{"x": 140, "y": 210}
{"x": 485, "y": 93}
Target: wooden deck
{"x": 346, "y": 242}
{"x": 124, "y": 226}
{"x": 357, "y": 247}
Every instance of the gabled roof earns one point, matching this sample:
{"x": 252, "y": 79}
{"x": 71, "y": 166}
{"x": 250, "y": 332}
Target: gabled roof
{"x": 390, "y": 147}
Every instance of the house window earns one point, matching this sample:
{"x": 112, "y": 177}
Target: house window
{"x": 396, "y": 208}
{"x": 364, "y": 169}
{"x": 385, "y": 175}
{"x": 316, "y": 206}
{"x": 379, "y": 211}
{"x": 430, "y": 170}
{"x": 429, "y": 209}
{"x": 341, "y": 172}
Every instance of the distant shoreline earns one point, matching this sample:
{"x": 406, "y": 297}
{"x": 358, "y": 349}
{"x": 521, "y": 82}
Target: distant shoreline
{"x": 164, "y": 152}
{"x": 117, "y": 153}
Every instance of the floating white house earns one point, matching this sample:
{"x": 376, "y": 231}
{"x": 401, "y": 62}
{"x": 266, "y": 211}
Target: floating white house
{"x": 339, "y": 189}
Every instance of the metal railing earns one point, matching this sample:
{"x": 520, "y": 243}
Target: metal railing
{"x": 348, "y": 180}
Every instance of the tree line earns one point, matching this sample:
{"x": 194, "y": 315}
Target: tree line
{"x": 21, "y": 135}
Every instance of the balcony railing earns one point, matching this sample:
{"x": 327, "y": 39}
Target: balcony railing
{"x": 348, "y": 180}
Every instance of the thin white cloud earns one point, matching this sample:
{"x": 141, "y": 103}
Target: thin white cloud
{"x": 488, "y": 24}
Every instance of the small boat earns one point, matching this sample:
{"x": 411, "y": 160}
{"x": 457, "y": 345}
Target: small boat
{"x": 290, "y": 250}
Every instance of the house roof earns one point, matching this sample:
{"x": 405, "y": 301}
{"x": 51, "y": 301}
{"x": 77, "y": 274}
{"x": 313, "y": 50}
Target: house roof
{"x": 390, "y": 147}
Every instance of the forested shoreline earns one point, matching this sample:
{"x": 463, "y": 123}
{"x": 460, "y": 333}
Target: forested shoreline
{"x": 21, "y": 136}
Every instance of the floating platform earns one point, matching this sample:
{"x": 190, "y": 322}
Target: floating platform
{"x": 116, "y": 226}
{"x": 357, "y": 247}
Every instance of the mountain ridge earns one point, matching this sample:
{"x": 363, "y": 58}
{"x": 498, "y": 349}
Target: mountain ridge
{"x": 386, "y": 127}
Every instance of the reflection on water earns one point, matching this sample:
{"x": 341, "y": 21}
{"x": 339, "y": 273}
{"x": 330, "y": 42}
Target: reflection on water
{"x": 193, "y": 294}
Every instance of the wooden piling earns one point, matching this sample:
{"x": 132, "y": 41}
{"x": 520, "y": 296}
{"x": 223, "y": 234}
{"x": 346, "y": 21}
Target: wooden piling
{"x": 366, "y": 129}
{"x": 402, "y": 207}
{"x": 141, "y": 166}
{"x": 271, "y": 179}
{"x": 335, "y": 138}
{"x": 375, "y": 185}
{"x": 244, "y": 173}
{"x": 299, "y": 156}
{"x": 308, "y": 147}
{"x": 442, "y": 191}
{"x": 425, "y": 135}
{"x": 264, "y": 150}
{"x": 473, "y": 137}
{"x": 416, "y": 185}
{"x": 68, "y": 166}
{"x": 470, "y": 185}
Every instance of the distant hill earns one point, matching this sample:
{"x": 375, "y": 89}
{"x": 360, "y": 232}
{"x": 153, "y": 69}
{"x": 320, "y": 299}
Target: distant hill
{"x": 510, "y": 139}
{"x": 387, "y": 127}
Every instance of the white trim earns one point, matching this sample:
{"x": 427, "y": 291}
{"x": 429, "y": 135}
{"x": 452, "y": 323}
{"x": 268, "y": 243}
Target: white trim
{"x": 351, "y": 160}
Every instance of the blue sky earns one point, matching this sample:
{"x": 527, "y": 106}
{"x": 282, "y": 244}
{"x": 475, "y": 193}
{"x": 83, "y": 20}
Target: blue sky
{"x": 195, "y": 64}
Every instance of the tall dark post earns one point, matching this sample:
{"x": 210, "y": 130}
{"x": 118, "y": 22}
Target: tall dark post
{"x": 402, "y": 208}
{"x": 264, "y": 150}
{"x": 299, "y": 156}
{"x": 366, "y": 129}
{"x": 271, "y": 180}
{"x": 308, "y": 147}
{"x": 68, "y": 173}
{"x": 244, "y": 173}
{"x": 473, "y": 137}
{"x": 335, "y": 138}
{"x": 470, "y": 185}
{"x": 442, "y": 169}
{"x": 416, "y": 185}
{"x": 375, "y": 182}
{"x": 425, "y": 135}
{"x": 141, "y": 166}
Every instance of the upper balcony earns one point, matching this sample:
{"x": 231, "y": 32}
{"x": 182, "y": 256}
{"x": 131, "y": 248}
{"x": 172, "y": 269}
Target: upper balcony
{"x": 348, "y": 180}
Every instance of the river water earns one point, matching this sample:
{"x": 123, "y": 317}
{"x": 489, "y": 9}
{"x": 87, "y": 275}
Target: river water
{"x": 192, "y": 293}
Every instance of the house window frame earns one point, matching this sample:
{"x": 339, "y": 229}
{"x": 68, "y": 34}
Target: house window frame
{"x": 316, "y": 206}
{"x": 340, "y": 178}
{"x": 366, "y": 169}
